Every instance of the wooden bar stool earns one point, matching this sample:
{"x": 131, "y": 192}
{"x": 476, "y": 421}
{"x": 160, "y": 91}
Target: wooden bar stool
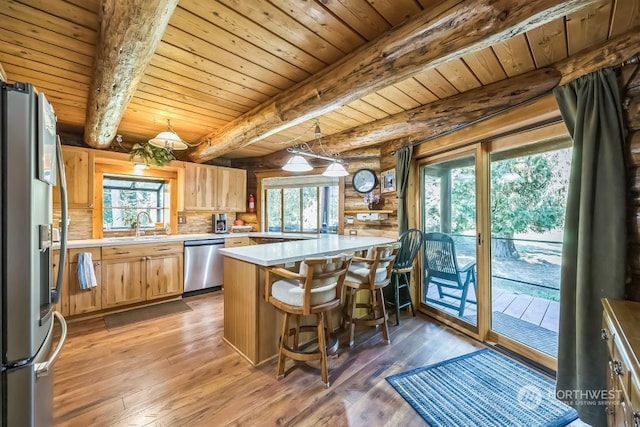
{"x": 315, "y": 289}
{"x": 372, "y": 274}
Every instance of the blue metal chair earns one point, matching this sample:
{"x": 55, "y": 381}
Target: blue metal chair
{"x": 442, "y": 270}
{"x": 411, "y": 241}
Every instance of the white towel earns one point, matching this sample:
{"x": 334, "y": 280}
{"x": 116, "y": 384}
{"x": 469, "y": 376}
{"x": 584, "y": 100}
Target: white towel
{"x": 86, "y": 272}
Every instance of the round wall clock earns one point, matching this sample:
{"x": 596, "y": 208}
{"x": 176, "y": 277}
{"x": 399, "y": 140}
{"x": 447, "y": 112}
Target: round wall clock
{"x": 364, "y": 180}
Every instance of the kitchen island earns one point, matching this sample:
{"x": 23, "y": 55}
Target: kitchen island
{"x": 251, "y": 325}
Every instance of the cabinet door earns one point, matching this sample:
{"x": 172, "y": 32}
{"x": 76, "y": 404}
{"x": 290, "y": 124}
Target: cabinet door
{"x": 164, "y": 276}
{"x": 199, "y": 187}
{"x": 79, "y": 170}
{"x": 231, "y": 189}
{"x": 122, "y": 281}
{"x": 84, "y": 300}
{"x": 63, "y": 303}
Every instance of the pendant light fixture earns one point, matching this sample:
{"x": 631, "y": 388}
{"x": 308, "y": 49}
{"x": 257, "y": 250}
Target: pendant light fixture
{"x": 298, "y": 163}
{"x": 169, "y": 140}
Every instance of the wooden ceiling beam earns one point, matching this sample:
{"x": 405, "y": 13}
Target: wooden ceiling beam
{"x": 129, "y": 34}
{"x": 439, "y": 34}
{"x": 440, "y": 116}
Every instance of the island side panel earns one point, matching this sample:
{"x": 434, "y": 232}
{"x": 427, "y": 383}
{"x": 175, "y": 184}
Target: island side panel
{"x": 240, "y": 307}
{"x": 251, "y": 325}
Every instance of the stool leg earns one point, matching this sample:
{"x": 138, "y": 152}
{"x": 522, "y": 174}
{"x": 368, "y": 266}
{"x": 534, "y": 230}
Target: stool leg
{"x": 383, "y": 313}
{"x": 283, "y": 340}
{"x": 396, "y": 291}
{"x": 322, "y": 346}
{"x": 296, "y": 337}
{"x": 351, "y": 314}
{"x": 408, "y": 288}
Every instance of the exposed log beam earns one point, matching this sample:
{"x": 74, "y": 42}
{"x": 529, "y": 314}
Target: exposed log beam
{"x": 440, "y": 116}
{"x": 442, "y": 33}
{"x": 129, "y": 34}
{"x": 607, "y": 54}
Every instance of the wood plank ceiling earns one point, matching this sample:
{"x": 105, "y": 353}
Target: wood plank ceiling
{"x": 219, "y": 59}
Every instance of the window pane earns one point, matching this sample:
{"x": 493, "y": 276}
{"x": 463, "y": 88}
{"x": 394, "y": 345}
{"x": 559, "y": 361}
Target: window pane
{"x": 274, "y": 213}
{"x": 125, "y": 197}
{"x": 310, "y": 209}
{"x": 292, "y": 209}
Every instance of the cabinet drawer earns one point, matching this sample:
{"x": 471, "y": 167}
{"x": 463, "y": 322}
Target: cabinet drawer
{"x": 73, "y": 253}
{"x": 236, "y": 241}
{"x": 130, "y": 251}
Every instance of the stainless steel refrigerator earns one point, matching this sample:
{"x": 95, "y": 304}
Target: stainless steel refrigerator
{"x": 30, "y": 164}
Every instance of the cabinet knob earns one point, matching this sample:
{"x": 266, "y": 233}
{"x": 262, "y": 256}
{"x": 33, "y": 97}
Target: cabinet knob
{"x": 604, "y": 334}
{"x": 617, "y": 368}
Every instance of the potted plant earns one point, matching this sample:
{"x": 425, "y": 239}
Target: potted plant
{"x": 150, "y": 154}
{"x": 372, "y": 200}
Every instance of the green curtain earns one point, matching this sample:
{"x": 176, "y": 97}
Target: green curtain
{"x": 403, "y": 163}
{"x": 593, "y": 255}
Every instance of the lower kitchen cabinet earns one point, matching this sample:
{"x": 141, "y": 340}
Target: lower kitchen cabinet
{"x": 136, "y": 273}
{"x": 164, "y": 276}
{"x": 123, "y": 281}
{"x": 84, "y": 300}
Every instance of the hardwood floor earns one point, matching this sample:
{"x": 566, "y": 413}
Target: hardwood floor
{"x": 177, "y": 371}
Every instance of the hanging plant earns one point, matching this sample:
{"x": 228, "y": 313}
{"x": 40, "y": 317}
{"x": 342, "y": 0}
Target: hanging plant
{"x": 150, "y": 154}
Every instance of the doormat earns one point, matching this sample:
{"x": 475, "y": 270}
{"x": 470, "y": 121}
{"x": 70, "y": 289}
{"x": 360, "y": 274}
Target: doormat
{"x": 483, "y": 388}
{"x": 542, "y": 339}
{"x": 145, "y": 313}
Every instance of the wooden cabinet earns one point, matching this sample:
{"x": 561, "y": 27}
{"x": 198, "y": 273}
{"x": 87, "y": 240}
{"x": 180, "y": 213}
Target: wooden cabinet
{"x": 199, "y": 187}
{"x": 233, "y": 242}
{"x": 214, "y": 188}
{"x": 620, "y": 323}
{"x": 164, "y": 276}
{"x": 135, "y": 273}
{"x": 79, "y": 170}
{"x": 63, "y": 304}
{"x": 231, "y": 191}
{"x": 84, "y": 300}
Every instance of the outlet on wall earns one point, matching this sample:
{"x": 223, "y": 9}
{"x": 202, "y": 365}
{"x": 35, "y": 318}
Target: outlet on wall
{"x": 182, "y": 219}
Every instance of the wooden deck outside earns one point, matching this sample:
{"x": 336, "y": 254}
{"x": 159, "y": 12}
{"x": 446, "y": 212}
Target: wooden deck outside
{"x": 538, "y": 311}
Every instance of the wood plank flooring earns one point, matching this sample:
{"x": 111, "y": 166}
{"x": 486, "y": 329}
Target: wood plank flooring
{"x": 177, "y": 371}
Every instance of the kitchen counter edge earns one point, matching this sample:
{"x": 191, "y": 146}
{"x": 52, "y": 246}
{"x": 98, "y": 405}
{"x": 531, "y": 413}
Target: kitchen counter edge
{"x": 145, "y": 240}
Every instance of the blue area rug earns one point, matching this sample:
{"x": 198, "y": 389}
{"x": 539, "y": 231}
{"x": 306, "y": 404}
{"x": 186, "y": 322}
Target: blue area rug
{"x": 483, "y": 388}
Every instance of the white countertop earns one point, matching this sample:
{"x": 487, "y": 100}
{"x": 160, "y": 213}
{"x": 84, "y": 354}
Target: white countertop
{"x": 130, "y": 240}
{"x": 280, "y": 253}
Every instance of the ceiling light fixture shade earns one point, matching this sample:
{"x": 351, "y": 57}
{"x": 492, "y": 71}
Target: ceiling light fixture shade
{"x": 169, "y": 140}
{"x": 335, "y": 169}
{"x": 297, "y": 163}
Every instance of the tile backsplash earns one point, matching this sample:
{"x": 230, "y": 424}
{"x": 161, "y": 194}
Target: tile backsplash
{"x": 80, "y": 223}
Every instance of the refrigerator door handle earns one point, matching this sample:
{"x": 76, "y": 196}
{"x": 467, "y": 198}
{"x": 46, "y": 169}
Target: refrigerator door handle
{"x": 55, "y": 292}
{"x": 42, "y": 369}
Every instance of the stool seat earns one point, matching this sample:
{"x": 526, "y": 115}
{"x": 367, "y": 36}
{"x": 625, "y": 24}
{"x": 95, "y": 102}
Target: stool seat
{"x": 372, "y": 274}
{"x": 314, "y": 290}
{"x": 411, "y": 241}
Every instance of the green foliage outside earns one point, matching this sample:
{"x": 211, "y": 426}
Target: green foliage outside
{"x": 528, "y": 194}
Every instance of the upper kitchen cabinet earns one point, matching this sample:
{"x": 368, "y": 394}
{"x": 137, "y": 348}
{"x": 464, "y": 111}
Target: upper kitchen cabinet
{"x": 199, "y": 187}
{"x": 214, "y": 188}
{"x": 79, "y": 170}
{"x": 231, "y": 189}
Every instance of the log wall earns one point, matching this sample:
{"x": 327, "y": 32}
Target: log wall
{"x": 629, "y": 80}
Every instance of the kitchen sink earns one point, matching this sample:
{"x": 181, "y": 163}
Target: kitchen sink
{"x": 134, "y": 238}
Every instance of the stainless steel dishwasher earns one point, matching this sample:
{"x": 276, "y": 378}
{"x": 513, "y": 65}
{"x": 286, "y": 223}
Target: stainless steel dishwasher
{"x": 202, "y": 265}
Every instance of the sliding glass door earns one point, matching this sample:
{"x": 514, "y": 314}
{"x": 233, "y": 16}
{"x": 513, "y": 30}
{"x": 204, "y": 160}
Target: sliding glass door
{"x": 493, "y": 217}
{"x": 528, "y": 193}
{"x": 448, "y": 187}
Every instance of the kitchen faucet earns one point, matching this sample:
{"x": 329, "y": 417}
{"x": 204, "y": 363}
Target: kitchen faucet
{"x": 138, "y": 233}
